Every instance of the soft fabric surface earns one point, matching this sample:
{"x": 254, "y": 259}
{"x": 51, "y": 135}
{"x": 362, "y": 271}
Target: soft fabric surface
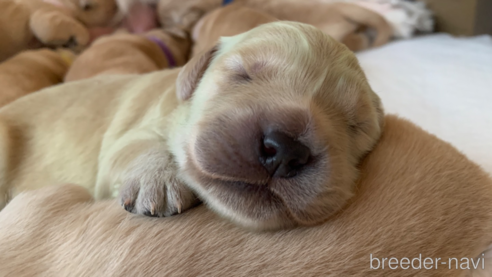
{"x": 443, "y": 84}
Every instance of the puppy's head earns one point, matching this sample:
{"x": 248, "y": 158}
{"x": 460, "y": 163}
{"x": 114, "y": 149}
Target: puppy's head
{"x": 274, "y": 124}
{"x": 95, "y": 13}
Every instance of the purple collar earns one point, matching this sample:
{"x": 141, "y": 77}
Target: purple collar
{"x": 165, "y": 50}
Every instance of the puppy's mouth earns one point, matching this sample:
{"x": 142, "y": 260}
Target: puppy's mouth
{"x": 269, "y": 203}
{"x": 261, "y": 193}
{"x": 251, "y": 205}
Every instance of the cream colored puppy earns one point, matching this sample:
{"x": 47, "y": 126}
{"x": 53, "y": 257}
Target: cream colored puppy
{"x": 418, "y": 198}
{"x": 268, "y": 128}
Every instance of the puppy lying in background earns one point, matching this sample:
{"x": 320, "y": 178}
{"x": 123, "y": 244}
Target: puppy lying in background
{"x": 342, "y": 21}
{"x": 417, "y": 195}
{"x": 267, "y": 131}
{"x": 236, "y": 18}
{"x": 130, "y": 54}
{"x": 32, "y": 70}
{"x": 228, "y": 21}
{"x": 139, "y": 16}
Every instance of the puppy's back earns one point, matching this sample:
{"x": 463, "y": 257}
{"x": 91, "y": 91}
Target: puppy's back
{"x": 30, "y": 71}
{"x": 115, "y": 55}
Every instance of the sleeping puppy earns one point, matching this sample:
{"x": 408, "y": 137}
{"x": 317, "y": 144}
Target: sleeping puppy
{"x": 237, "y": 18}
{"x": 417, "y": 196}
{"x": 130, "y": 54}
{"x": 32, "y": 70}
{"x": 228, "y": 21}
{"x": 267, "y": 128}
{"x": 342, "y": 21}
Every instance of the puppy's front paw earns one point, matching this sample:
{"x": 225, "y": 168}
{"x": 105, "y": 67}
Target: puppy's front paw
{"x": 151, "y": 187}
{"x": 55, "y": 28}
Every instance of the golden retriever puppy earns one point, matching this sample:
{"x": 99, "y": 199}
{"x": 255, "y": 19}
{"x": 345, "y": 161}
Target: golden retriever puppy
{"x": 229, "y": 21}
{"x": 32, "y": 70}
{"x": 267, "y": 128}
{"x": 342, "y": 21}
{"x": 421, "y": 209}
{"x": 130, "y": 54}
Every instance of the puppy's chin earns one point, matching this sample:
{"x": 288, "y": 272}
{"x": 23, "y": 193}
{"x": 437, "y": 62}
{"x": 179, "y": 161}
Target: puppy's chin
{"x": 252, "y": 206}
{"x": 303, "y": 200}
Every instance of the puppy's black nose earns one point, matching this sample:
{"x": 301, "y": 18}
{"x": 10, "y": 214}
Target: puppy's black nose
{"x": 282, "y": 156}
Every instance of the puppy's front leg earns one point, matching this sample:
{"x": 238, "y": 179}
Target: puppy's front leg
{"x": 143, "y": 175}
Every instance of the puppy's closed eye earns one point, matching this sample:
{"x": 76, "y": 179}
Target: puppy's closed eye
{"x": 241, "y": 76}
{"x": 353, "y": 127}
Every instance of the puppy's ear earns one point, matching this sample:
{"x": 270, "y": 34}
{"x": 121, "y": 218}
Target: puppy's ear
{"x": 369, "y": 124}
{"x": 192, "y": 73}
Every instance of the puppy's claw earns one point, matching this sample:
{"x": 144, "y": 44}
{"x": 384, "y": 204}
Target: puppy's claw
{"x": 149, "y": 214}
{"x": 128, "y": 205}
{"x": 155, "y": 189}
{"x": 152, "y": 209}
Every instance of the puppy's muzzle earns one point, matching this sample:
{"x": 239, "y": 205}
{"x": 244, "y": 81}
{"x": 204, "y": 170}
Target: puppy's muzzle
{"x": 283, "y": 156}
{"x": 254, "y": 147}
{"x": 263, "y": 167}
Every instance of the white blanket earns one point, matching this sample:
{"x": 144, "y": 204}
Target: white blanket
{"x": 442, "y": 83}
